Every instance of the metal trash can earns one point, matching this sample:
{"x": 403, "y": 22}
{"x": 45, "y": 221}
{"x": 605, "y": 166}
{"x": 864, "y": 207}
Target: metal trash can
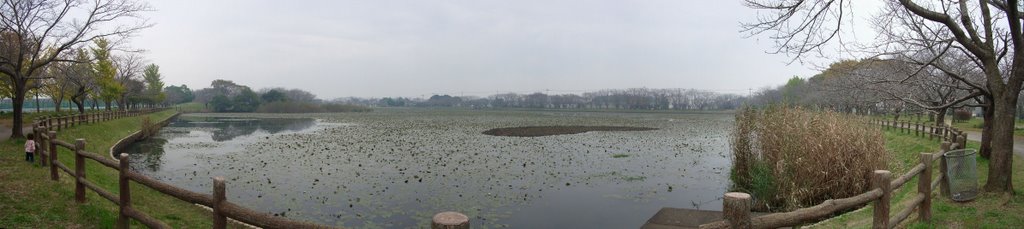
{"x": 962, "y": 174}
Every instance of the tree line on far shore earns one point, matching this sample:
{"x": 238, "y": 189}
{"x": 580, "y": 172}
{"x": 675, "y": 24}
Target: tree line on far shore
{"x": 632, "y": 98}
{"x": 228, "y": 96}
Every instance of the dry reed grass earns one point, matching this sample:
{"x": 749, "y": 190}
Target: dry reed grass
{"x": 788, "y": 158}
{"x": 148, "y": 128}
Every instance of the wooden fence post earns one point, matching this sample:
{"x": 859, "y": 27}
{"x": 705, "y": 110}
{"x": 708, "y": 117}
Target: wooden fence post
{"x": 39, "y": 152}
{"x": 944, "y": 186}
{"x": 125, "y": 191}
{"x": 960, "y": 142}
{"x": 219, "y": 220}
{"x": 963, "y": 140}
{"x": 924, "y": 188}
{"x": 79, "y": 170}
{"x": 881, "y": 205}
{"x": 52, "y": 144}
{"x": 736, "y": 209}
{"x": 40, "y": 133}
{"x": 450, "y": 220}
{"x": 931, "y": 132}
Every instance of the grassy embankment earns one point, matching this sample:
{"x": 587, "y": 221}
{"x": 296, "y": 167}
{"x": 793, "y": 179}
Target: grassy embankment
{"x": 30, "y": 199}
{"x": 989, "y": 210}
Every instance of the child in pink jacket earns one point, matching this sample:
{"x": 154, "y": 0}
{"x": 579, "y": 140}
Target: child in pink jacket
{"x": 30, "y": 149}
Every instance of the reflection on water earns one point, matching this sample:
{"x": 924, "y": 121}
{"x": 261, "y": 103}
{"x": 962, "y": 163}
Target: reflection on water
{"x": 227, "y": 129}
{"x": 174, "y": 147}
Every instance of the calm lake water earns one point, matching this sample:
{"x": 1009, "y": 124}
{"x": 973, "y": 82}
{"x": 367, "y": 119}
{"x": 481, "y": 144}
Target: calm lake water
{"x": 395, "y": 168}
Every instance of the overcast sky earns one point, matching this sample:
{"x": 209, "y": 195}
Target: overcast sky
{"x": 417, "y": 48}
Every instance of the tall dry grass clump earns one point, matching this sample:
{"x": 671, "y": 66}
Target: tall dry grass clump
{"x": 148, "y": 128}
{"x": 788, "y": 158}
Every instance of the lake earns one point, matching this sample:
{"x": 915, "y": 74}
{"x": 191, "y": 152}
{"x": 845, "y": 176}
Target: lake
{"x": 395, "y": 168}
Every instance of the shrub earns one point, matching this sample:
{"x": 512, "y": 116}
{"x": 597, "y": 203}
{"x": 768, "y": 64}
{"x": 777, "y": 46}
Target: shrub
{"x": 287, "y": 107}
{"x": 788, "y": 158}
{"x": 148, "y": 128}
{"x": 333, "y": 107}
{"x": 299, "y": 107}
{"x": 961, "y": 115}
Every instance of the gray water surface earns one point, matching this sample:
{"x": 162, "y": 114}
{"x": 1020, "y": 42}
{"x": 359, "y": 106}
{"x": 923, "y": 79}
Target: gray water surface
{"x": 396, "y": 168}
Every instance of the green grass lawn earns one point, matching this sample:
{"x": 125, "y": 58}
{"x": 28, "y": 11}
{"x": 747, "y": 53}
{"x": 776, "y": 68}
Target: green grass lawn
{"x": 975, "y": 124}
{"x": 30, "y": 199}
{"x": 989, "y": 210}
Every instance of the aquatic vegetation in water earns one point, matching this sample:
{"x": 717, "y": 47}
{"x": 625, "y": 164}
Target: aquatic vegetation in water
{"x": 397, "y": 167}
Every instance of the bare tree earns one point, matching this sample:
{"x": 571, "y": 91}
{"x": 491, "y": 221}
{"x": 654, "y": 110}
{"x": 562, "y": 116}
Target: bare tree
{"x": 129, "y": 65}
{"x": 56, "y": 85}
{"x": 987, "y": 31}
{"x": 79, "y": 75}
{"x": 36, "y": 32}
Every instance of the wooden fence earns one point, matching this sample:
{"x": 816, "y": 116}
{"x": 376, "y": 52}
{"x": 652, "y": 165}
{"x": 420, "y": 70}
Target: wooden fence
{"x": 222, "y": 209}
{"x": 736, "y": 205}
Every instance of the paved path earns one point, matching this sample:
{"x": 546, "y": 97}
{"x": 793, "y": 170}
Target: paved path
{"x": 5, "y": 132}
{"x": 1018, "y": 141}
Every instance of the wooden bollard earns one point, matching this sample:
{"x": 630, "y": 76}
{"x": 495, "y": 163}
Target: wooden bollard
{"x": 943, "y": 185}
{"x": 881, "y": 205}
{"x": 220, "y": 221}
{"x": 125, "y": 192}
{"x": 52, "y": 144}
{"x": 450, "y": 220}
{"x": 924, "y": 188}
{"x": 736, "y": 209}
{"x": 79, "y": 170}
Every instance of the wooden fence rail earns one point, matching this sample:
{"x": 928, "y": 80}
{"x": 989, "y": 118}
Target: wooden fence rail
{"x": 736, "y": 205}
{"x": 222, "y": 209}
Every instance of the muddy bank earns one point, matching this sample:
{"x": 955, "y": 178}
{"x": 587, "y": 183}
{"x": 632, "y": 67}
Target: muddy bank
{"x": 537, "y": 131}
